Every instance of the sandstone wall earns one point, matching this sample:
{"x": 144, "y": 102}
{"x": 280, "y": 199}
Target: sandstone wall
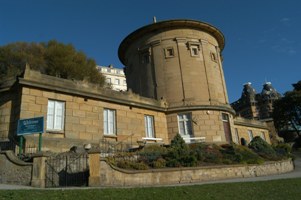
{"x": 14, "y": 171}
{"x": 111, "y": 176}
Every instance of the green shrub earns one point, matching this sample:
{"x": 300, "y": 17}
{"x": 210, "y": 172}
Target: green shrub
{"x": 263, "y": 148}
{"x": 198, "y": 149}
{"x": 127, "y": 164}
{"x": 160, "y": 163}
{"x": 179, "y": 154}
{"x": 151, "y": 153}
{"x": 139, "y": 166}
{"x": 213, "y": 154}
{"x": 247, "y": 156}
{"x": 231, "y": 154}
{"x": 283, "y": 150}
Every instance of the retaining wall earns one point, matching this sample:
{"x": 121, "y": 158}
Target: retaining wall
{"x": 13, "y": 170}
{"x": 113, "y": 176}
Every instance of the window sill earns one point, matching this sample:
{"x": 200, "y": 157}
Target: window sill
{"x": 54, "y": 132}
{"x": 110, "y": 136}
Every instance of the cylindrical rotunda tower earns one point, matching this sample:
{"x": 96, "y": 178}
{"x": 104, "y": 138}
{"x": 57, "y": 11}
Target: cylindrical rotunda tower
{"x": 180, "y": 61}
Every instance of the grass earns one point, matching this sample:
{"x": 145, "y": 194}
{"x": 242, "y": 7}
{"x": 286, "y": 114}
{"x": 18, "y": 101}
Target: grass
{"x": 276, "y": 189}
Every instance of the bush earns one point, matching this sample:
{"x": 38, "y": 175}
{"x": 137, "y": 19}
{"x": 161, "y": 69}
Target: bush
{"x": 179, "y": 154}
{"x": 212, "y": 154}
{"x": 151, "y": 153}
{"x": 283, "y": 150}
{"x": 263, "y": 148}
{"x": 160, "y": 163}
{"x": 231, "y": 154}
{"x": 247, "y": 156}
{"x": 127, "y": 164}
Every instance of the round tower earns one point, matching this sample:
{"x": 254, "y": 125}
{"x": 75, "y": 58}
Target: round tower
{"x": 180, "y": 62}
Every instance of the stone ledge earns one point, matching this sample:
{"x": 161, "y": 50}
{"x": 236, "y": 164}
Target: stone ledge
{"x": 14, "y": 159}
{"x": 113, "y": 176}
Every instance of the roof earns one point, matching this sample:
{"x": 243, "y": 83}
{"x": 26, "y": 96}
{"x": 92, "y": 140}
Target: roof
{"x": 170, "y": 24}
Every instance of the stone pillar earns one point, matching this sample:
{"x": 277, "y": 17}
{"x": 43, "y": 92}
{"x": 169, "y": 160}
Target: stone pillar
{"x": 39, "y": 172}
{"x": 94, "y": 165}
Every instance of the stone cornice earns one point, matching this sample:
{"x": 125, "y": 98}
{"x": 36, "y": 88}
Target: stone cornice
{"x": 35, "y": 79}
{"x": 250, "y": 123}
{"x": 200, "y": 107}
{"x": 170, "y": 24}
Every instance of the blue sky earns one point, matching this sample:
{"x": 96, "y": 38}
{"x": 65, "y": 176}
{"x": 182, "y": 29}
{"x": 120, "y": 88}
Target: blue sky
{"x": 263, "y": 37}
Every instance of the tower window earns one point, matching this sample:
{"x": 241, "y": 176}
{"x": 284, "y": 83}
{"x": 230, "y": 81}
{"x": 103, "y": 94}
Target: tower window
{"x": 169, "y": 52}
{"x": 213, "y": 57}
{"x": 145, "y": 57}
{"x": 194, "y": 50}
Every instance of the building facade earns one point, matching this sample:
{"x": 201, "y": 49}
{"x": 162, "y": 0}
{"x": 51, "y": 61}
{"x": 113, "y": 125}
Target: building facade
{"x": 258, "y": 106}
{"x": 115, "y": 77}
{"x": 175, "y": 85}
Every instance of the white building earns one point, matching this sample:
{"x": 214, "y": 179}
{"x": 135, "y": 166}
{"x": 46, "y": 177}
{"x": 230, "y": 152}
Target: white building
{"x": 114, "y": 76}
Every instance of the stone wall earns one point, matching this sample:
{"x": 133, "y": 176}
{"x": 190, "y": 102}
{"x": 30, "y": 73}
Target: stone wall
{"x": 112, "y": 176}
{"x": 84, "y": 106}
{"x": 242, "y": 126}
{"x": 13, "y": 170}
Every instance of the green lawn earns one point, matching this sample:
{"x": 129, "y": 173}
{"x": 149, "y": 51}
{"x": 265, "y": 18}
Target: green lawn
{"x": 278, "y": 189}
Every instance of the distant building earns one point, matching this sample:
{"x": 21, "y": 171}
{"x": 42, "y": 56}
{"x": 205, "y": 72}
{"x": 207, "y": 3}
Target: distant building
{"x": 252, "y": 105}
{"x": 114, "y": 77}
{"x": 258, "y": 106}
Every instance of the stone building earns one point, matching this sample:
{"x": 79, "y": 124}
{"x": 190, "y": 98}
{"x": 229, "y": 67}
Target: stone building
{"x": 258, "y": 106}
{"x": 176, "y": 85}
{"x": 115, "y": 77}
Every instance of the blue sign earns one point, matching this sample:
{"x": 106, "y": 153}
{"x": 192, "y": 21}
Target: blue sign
{"x": 30, "y": 126}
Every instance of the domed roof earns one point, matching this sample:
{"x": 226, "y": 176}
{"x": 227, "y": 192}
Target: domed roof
{"x": 248, "y": 92}
{"x": 269, "y": 92}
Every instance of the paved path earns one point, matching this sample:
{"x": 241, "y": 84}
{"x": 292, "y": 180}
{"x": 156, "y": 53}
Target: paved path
{"x": 294, "y": 174}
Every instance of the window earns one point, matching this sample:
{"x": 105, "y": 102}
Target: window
{"x": 184, "y": 121}
{"x": 225, "y": 117}
{"x": 117, "y": 81}
{"x": 55, "y": 115}
{"x": 108, "y": 80}
{"x": 194, "y": 51}
{"x": 213, "y": 57}
{"x": 236, "y": 136}
{"x": 124, "y": 82}
{"x": 250, "y": 133}
{"x": 263, "y": 136}
{"x": 109, "y": 70}
{"x": 109, "y": 122}
{"x": 169, "y": 52}
{"x": 149, "y": 126}
{"x": 145, "y": 59}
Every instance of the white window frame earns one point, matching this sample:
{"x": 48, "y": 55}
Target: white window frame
{"x": 225, "y": 117}
{"x": 250, "y": 133}
{"x": 109, "y": 122}
{"x": 117, "y": 82}
{"x": 149, "y": 126}
{"x": 184, "y": 124}
{"x": 262, "y": 135}
{"x": 236, "y": 135}
{"x": 194, "y": 50}
{"x": 108, "y": 80}
{"x": 55, "y": 115}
